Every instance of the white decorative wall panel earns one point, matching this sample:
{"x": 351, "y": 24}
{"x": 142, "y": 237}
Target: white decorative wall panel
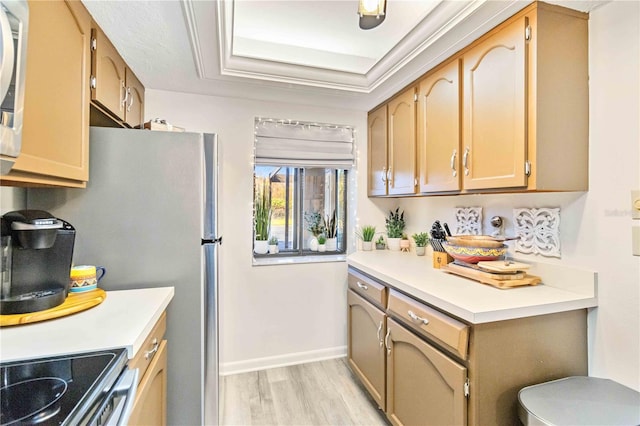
{"x": 539, "y": 231}
{"x": 468, "y": 220}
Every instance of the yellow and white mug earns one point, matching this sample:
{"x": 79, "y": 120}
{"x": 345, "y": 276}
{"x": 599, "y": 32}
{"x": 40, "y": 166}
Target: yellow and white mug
{"x": 86, "y": 277}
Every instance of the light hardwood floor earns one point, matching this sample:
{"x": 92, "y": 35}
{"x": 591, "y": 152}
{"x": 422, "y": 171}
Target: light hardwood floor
{"x": 318, "y": 393}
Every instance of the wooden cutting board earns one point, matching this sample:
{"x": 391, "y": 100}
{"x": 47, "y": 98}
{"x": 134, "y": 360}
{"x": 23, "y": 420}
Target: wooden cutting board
{"x": 75, "y": 302}
{"x": 476, "y": 271}
{"x": 482, "y": 278}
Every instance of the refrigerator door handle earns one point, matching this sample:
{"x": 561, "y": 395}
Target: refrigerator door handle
{"x": 217, "y": 240}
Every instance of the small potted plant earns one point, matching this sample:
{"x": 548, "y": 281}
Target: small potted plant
{"x": 395, "y": 224}
{"x": 380, "y": 245}
{"x": 273, "y": 245}
{"x": 262, "y": 221}
{"x": 421, "y": 239}
{"x": 315, "y": 226}
{"x": 331, "y": 232}
{"x": 322, "y": 240}
{"x": 366, "y": 234}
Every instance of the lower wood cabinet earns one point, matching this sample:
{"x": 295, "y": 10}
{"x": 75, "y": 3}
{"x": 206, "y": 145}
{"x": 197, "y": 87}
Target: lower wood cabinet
{"x": 366, "y": 352}
{"x": 424, "y": 367}
{"x": 150, "y": 405}
{"x": 424, "y": 386}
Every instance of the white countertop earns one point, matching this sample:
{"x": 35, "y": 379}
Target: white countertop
{"x": 123, "y": 320}
{"x": 562, "y": 289}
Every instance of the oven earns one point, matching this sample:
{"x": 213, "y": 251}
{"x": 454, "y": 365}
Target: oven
{"x": 94, "y": 389}
{"x": 14, "y": 24}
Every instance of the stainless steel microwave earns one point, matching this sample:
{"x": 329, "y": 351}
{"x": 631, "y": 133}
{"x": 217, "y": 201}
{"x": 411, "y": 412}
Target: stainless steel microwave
{"x": 14, "y": 24}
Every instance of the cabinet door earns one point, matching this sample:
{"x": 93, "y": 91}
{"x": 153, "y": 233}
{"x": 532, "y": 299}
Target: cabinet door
{"x": 494, "y": 141}
{"x": 366, "y": 354}
{"x": 424, "y": 386}
{"x": 56, "y": 104}
{"x": 150, "y": 405}
{"x": 377, "y": 138}
{"x": 438, "y": 125}
{"x": 135, "y": 100}
{"x": 108, "y": 68}
{"x": 402, "y": 144}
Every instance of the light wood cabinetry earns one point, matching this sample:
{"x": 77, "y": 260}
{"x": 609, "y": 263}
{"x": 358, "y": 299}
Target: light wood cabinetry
{"x": 423, "y": 366}
{"x": 424, "y": 386}
{"x": 438, "y": 126}
{"x": 516, "y": 119}
{"x": 150, "y": 405}
{"x": 115, "y": 90}
{"x": 402, "y": 144}
{"x": 55, "y": 138}
{"x": 377, "y": 148}
{"x": 494, "y": 153}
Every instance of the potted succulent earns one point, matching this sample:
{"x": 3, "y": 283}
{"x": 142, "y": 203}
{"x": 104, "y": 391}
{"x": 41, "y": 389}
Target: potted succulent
{"x": 273, "y": 245}
{"x": 395, "y": 224}
{"x": 331, "y": 232}
{"x": 315, "y": 226}
{"x": 366, "y": 234}
{"x": 322, "y": 243}
{"x": 421, "y": 239}
{"x": 262, "y": 221}
{"x": 380, "y": 244}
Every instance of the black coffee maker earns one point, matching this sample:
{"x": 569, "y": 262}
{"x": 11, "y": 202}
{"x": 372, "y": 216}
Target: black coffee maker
{"x": 37, "y": 250}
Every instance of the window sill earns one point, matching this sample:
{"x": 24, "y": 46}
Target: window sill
{"x": 296, "y": 260}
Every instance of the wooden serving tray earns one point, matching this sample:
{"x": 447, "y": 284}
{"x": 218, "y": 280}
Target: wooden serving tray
{"x": 485, "y": 278}
{"x": 75, "y": 302}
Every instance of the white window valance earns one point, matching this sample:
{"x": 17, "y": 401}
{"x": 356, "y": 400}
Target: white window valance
{"x": 303, "y": 144}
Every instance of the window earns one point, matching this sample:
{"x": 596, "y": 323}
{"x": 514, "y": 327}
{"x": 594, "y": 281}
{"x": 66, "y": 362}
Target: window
{"x": 300, "y": 181}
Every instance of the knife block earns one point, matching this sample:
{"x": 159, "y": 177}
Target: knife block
{"x": 441, "y": 258}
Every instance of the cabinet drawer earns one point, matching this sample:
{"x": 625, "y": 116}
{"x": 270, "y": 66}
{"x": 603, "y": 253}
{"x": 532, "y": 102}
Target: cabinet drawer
{"x": 150, "y": 347}
{"x": 368, "y": 288}
{"x": 442, "y": 329}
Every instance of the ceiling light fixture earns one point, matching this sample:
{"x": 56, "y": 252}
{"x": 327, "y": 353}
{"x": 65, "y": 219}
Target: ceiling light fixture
{"x": 372, "y": 13}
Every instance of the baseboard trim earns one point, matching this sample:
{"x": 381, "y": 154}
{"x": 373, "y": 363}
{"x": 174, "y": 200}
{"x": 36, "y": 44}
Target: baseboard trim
{"x": 285, "y": 360}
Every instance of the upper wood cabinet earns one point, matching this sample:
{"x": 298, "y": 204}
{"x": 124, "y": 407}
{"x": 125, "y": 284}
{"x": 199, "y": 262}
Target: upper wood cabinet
{"x": 516, "y": 119}
{"x": 402, "y": 144}
{"x": 438, "y": 123}
{"x": 526, "y": 104}
{"x": 55, "y": 138}
{"x": 377, "y": 148}
{"x": 114, "y": 87}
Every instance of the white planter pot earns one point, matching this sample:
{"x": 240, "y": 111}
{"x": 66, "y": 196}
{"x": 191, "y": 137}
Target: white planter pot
{"x": 332, "y": 244}
{"x": 420, "y": 251}
{"x": 273, "y": 249}
{"x": 322, "y": 247}
{"x": 313, "y": 244}
{"x": 393, "y": 244}
{"x": 367, "y": 245}
{"x": 261, "y": 246}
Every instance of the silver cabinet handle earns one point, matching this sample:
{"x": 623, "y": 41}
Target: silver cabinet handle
{"x": 465, "y": 159}
{"x": 386, "y": 341}
{"x": 453, "y": 162}
{"x": 384, "y": 175}
{"x": 130, "y": 100}
{"x": 414, "y": 317}
{"x": 123, "y": 95}
{"x": 149, "y": 354}
{"x": 362, "y": 286}
{"x": 378, "y": 334}
{"x": 389, "y": 175}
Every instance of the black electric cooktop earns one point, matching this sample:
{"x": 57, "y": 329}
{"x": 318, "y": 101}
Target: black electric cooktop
{"x": 61, "y": 390}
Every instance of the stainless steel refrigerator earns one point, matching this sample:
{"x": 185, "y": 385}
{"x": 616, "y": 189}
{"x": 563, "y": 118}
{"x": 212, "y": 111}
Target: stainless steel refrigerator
{"x": 148, "y": 215}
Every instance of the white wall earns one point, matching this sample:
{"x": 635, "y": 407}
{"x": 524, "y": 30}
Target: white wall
{"x": 287, "y": 313}
{"x": 269, "y": 314}
{"x": 12, "y": 199}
